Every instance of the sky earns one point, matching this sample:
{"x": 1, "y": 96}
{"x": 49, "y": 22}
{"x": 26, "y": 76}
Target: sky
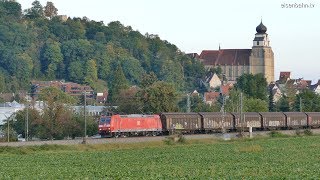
{"x": 196, "y": 25}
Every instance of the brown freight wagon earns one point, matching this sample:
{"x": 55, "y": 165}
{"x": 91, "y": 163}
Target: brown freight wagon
{"x": 216, "y": 121}
{"x": 182, "y": 122}
{"x": 313, "y": 119}
{"x": 296, "y": 119}
{"x": 249, "y": 119}
{"x": 273, "y": 120}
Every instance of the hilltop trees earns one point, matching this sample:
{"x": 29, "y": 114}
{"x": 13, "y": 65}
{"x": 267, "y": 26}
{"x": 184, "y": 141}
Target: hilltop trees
{"x": 50, "y": 10}
{"x": 36, "y": 11}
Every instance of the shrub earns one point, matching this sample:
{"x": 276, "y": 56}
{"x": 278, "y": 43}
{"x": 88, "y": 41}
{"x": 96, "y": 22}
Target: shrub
{"x": 175, "y": 139}
{"x": 299, "y": 132}
{"x": 308, "y": 132}
{"x": 277, "y": 134}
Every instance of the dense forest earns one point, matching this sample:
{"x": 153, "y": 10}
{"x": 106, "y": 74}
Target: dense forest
{"x": 38, "y": 44}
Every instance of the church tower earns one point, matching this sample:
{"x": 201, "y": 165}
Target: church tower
{"x": 261, "y": 59}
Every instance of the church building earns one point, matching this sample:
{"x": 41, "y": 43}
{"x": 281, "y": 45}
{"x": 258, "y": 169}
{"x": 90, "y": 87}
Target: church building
{"x": 235, "y": 62}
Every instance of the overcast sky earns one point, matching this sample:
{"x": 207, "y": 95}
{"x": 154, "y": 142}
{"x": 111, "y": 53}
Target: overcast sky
{"x": 196, "y": 25}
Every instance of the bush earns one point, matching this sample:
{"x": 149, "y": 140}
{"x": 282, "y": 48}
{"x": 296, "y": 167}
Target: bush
{"x": 299, "y": 132}
{"x": 175, "y": 139}
{"x": 274, "y": 134}
{"x": 308, "y": 132}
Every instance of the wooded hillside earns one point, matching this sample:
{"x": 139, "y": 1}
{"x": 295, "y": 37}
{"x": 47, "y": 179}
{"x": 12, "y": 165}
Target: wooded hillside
{"x": 38, "y": 44}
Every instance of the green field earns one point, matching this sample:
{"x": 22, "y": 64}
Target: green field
{"x": 294, "y": 157}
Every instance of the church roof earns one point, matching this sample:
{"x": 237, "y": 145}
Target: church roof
{"x": 226, "y": 57}
{"x": 261, "y": 29}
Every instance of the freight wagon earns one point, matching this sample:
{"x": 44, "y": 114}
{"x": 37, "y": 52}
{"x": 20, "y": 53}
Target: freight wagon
{"x": 273, "y": 120}
{"x": 249, "y": 119}
{"x": 181, "y": 122}
{"x": 296, "y": 120}
{"x": 217, "y": 121}
{"x": 313, "y": 119}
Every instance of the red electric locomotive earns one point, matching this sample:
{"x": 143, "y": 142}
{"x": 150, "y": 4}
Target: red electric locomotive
{"x": 130, "y": 125}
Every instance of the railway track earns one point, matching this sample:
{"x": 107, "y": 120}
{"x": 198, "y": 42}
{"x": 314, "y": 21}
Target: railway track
{"x": 144, "y": 139}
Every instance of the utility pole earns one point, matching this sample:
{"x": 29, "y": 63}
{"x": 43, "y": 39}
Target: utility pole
{"x": 223, "y": 113}
{"x": 300, "y": 104}
{"x": 188, "y": 103}
{"x": 241, "y": 118}
{"x": 85, "y": 119}
{"x": 27, "y": 123}
{"x": 223, "y": 103}
{"x": 8, "y": 119}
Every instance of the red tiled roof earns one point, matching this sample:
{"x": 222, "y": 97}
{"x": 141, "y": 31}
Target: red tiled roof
{"x": 226, "y": 57}
{"x": 211, "y": 96}
{"x": 303, "y": 84}
{"x": 285, "y": 75}
{"x": 225, "y": 89}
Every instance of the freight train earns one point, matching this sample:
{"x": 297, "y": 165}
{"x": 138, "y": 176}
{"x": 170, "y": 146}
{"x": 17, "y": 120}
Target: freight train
{"x": 203, "y": 122}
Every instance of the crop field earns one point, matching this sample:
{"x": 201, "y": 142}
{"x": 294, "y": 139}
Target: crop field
{"x": 281, "y": 157}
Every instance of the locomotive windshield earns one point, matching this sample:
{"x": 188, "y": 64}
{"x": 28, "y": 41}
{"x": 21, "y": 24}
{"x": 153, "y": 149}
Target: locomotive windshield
{"x": 105, "y": 120}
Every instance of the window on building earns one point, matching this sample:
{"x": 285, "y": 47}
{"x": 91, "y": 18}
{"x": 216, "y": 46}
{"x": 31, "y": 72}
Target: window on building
{"x": 257, "y": 43}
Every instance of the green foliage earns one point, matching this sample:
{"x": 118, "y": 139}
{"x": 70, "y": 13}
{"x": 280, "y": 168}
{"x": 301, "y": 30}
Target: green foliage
{"x": 272, "y": 104}
{"x": 10, "y": 9}
{"x": 39, "y": 45}
{"x": 253, "y": 86}
{"x": 277, "y": 134}
{"x": 91, "y": 74}
{"x": 175, "y": 139}
{"x": 51, "y": 59}
{"x": 159, "y": 97}
{"x": 283, "y": 104}
{"x": 148, "y": 79}
{"x": 196, "y": 104}
{"x": 310, "y": 101}
{"x": 119, "y": 82}
{"x": 36, "y": 11}
{"x": 233, "y": 101}
{"x": 308, "y": 132}
{"x": 128, "y": 102}
{"x": 255, "y": 105}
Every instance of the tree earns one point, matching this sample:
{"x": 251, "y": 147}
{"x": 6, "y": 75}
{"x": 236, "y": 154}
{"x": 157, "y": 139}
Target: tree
{"x": 56, "y": 114}
{"x": 159, "y": 97}
{"x": 128, "y": 102}
{"x": 283, "y": 104}
{"x": 171, "y": 72}
{"x": 91, "y": 74}
{"x": 118, "y": 83}
{"x": 50, "y": 10}
{"x": 34, "y": 125}
{"x": 148, "y": 79}
{"x": 51, "y": 59}
{"x": 36, "y": 11}
{"x": 255, "y": 105}
{"x": 196, "y": 105}
{"x": 272, "y": 107}
{"x": 233, "y": 101}
{"x": 11, "y": 8}
{"x": 254, "y": 86}
{"x": 307, "y": 101}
